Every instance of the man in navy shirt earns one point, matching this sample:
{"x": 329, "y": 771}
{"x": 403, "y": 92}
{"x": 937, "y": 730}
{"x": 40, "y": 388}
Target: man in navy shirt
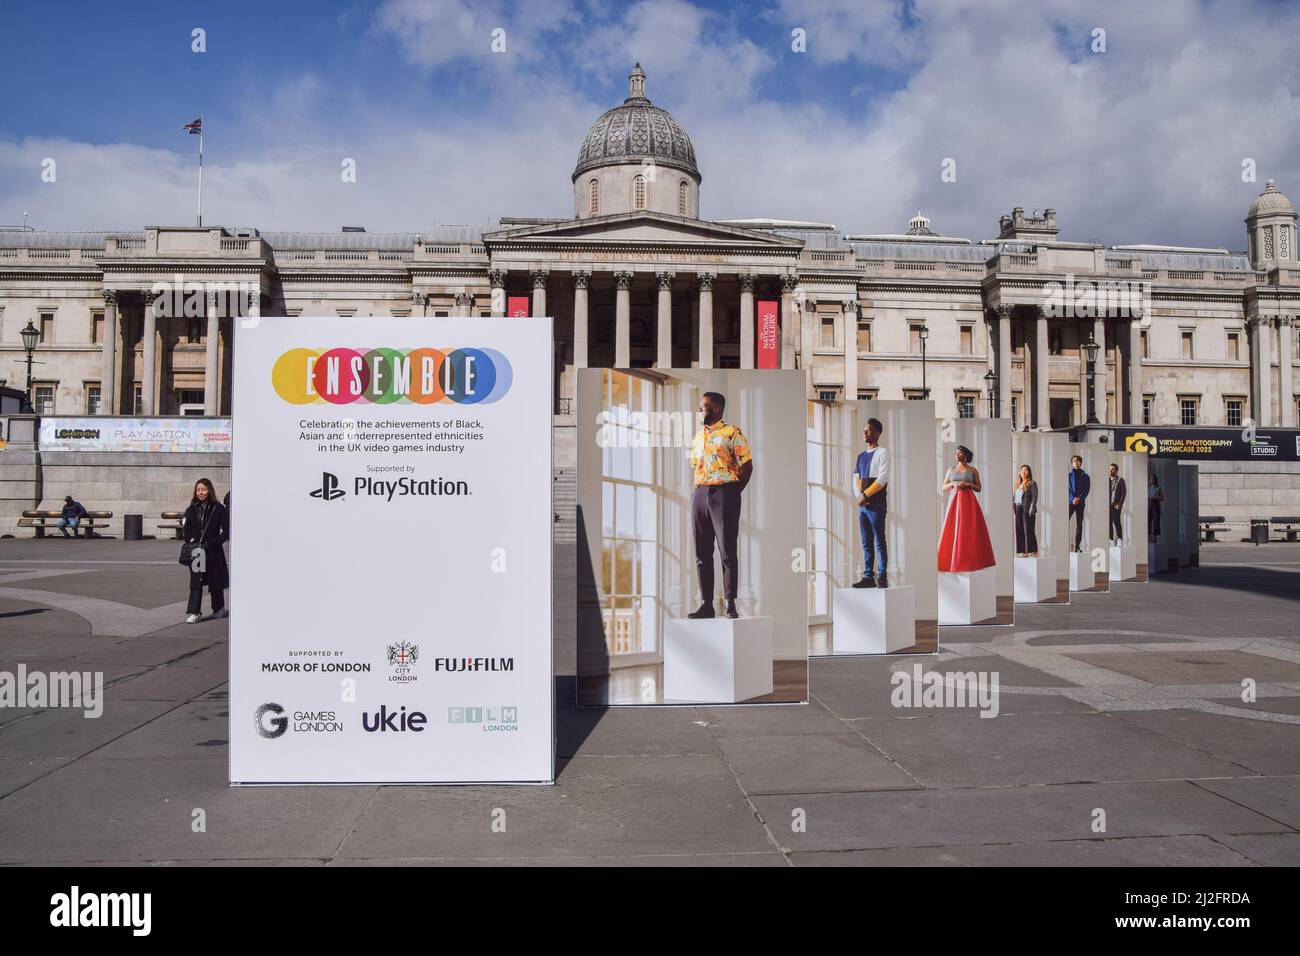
{"x": 1080, "y": 485}
{"x": 870, "y": 476}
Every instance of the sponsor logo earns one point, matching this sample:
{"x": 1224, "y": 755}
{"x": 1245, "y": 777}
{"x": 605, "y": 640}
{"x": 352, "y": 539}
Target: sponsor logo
{"x": 315, "y": 667}
{"x": 386, "y": 376}
{"x": 397, "y": 721}
{"x": 1141, "y": 441}
{"x": 1263, "y": 451}
{"x": 271, "y": 722}
{"x": 76, "y": 433}
{"x": 402, "y": 657}
{"x": 488, "y": 719}
{"x": 459, "y": 665}
{"x": 329, "y": 489}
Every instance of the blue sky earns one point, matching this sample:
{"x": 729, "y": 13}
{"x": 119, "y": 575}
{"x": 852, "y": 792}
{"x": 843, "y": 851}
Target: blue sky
{"x": 1140, "y": 143}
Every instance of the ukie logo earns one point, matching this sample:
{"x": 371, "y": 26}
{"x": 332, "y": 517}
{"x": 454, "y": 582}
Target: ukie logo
{"x": 384, "y": 376}
{"x": 395, "y": 720}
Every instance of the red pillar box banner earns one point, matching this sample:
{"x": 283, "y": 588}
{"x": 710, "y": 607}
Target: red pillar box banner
{"x": 517, "y": 306}
{"x": 769, "y": 334}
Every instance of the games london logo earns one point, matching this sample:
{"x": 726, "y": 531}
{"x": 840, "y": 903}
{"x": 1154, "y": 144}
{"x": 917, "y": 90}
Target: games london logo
{"x": 488, "y": 719}
{"x": 329, "y": 489}
{"x": 272, "y": 723}
{"x": 401, "y": 658}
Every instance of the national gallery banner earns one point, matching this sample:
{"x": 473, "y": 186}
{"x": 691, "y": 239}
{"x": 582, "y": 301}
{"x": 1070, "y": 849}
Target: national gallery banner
{"x": 391, "y": 563}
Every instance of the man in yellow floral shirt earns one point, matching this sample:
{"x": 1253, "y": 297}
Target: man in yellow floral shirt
{"x": 723, "y": 465}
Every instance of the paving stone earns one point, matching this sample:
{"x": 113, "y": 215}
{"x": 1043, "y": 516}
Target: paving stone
{"x": 800, "y": 763}
{"x": 1261, "y": 745}
{"x": 1133, "y": 851}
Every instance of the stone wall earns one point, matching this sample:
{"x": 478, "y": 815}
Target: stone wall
{"x": 1241, "y": 490}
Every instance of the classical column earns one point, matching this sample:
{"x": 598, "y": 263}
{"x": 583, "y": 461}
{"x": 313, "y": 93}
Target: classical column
{"x": 1099, "y": 373}
{"x": 149, "y": 339}
{"x": 464, "y": 304}
{"x": 581, "y": 280}
{"x": 539, "y": 291}
{"x": 706, "y": 319}
{"x": 1004, "y": 364}
{"x": 497, "y": 278}
{"x": 1285, "y": 396}
{"x": 622, "y": 320}
{"x": 1261, "y": 385}
{"x": 210, "y": 348}
{"x": 664, "y": 321}
{"x": 851, "y": 350}
{"x": 788, "y": 284}
{"x": 420, "y": 301}
{"x": 1134, "y": 372}
{"x": 108, "y": 374}
{"x": 746, "y": 321}
{"x": 1042, "y": 407}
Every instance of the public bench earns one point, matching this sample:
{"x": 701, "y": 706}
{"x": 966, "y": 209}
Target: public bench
{"x": 1290, "y": 525}
{"x": 1211, "y": 525}
{"x": 40, "y": 520}
{"x": 175, "y": 516}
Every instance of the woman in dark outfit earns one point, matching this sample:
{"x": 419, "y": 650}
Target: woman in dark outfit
{"x": 206, "y": 526}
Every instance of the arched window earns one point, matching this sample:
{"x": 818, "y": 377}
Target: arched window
{"x": 683, "y": 198}
{"x": 638, "y": 192}
{"x": 594, "y": 204}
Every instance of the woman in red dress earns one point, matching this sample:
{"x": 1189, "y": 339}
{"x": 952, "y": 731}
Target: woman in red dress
{"x": 964, "y": 544}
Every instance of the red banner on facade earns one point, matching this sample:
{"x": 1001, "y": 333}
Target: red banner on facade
{"x": 769, "y": 334}
{"x": 517, "y": 306}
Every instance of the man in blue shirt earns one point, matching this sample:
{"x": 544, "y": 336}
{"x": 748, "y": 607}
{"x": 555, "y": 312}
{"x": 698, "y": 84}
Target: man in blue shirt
{"x": 70, "y": 516}
{"x": 1080, "y": 485}
{"x": 870, "y": 476}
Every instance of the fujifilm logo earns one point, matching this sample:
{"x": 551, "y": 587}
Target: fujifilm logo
{"x": 459, "y": 664}
{"x": 103, "y": 909}
{"x": 933, "y": 689}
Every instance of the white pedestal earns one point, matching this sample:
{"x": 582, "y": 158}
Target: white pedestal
{"x": 873, "y": 620}
{"x": 1081, "y": 576}
{"x": 1035, "y": 579}
{"x": 718, "y": 660}
{"x": 968, "y": 597}
{"x": 1123, "y": 562}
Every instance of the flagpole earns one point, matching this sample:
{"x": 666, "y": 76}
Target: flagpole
{"x": 200, "y": 217}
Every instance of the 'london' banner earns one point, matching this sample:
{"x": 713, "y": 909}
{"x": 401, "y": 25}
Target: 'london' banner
{"x": 769, "y": 334}
{"x": 391, "y": 591}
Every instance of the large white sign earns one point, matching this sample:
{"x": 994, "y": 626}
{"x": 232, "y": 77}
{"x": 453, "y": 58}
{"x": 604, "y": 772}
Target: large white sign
{"x": 135, "y": 434}
{"x": 391, "y": 588}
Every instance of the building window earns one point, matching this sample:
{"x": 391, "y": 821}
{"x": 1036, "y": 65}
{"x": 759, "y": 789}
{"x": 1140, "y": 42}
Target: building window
{"x": 442, "y": 314}
{"x": 965, "y": 405}
{"x": 194, "y": 329}
{"x": 868, "y": 394}
{"x": 1017, "y": 336}
{"x": 1286, "y": 243}
{"x": 92, "y": 398}
{"x": 1268, "y": 243}
{"x": 828, "y": 331}
{"x": 137, "y": 400}
{"x": 1186, "y": 336}
{"x": 1188, "y": 407}
{"x": 967, "y": 336}
{"x": 593, "y": 193}
{"x": 638, "y": 192}
{"x": 1054, "y": 346}
{"x": 1015, "y": 412}
{"x": 914, "y": 394}
{"x": 1234, "y": 346}
{"x": 47, "y": 327}
{"x": 1147, "y": 402}
{"x": 828, "y": 393}
{"x": 1234, "y": 412}
{"x": 96, "y": 327}
{"x": 683, "y": 199}
{"x": 914, "y": 337}
{"x": 1146, "y": 352}
{"x": 864, "y": 337}
{"x": 43, "y": 399}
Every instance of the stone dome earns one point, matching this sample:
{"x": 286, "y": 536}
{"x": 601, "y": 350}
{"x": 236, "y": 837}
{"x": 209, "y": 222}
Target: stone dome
{"x": 1270, "y": 202}
{"x": 636, "y": 131}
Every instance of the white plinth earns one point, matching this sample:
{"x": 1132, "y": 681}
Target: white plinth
{"x": 873, "y": 620}
{"x": 1123, "y": 562}
{"x": 1035, "y": 579}
{"x": 1081, "y": 575}
{"x": 717, "y": 660}
{"x": 968, "y": 597}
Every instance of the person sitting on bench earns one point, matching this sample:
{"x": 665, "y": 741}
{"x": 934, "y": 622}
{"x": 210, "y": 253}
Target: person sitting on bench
{"x": 71, "y": 516}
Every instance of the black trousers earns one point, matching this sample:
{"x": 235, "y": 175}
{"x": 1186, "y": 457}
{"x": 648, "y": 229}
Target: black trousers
{"x": 195, "y": 606}
{"x": 1026, "y": 535}
{"x": 715, "y": 515}
{"x": 1116, "y": 523}
{"x": 1153, "y": 517}
{"x": 1078, "y": 527}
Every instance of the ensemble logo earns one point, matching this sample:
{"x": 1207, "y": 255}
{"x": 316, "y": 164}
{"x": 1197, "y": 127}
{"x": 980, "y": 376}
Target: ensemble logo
{"x": 490, "y": 719}
{"x": 393, "y": 720}
{"x": 385, "y": 376}
{"x": 401, "y": 657}
{"x": 1141, "y": 441}
{"x": 329, "y": 489}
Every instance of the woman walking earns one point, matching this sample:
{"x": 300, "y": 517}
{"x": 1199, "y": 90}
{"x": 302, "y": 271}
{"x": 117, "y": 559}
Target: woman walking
{"x": 1025, "y": 496}
{"x": 206, "y": 528}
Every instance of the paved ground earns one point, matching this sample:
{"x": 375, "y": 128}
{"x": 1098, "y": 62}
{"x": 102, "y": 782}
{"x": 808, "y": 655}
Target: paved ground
{"x": 1125, "y": 704}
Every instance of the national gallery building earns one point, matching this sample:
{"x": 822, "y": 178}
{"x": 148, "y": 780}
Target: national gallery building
{"x": 635, "y": 277}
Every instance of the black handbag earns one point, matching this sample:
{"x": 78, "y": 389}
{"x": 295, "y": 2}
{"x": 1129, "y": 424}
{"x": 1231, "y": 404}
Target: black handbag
{"x": 188, "y": 548}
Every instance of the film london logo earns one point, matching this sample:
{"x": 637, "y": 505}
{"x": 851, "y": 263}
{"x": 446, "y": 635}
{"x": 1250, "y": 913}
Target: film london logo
{"x": 386, "y": 376}
{"x": 487, "y": 719}
{"x": 75, "y": 908}
{"x": 329, "y": 489}
{"x": 402, "y": 657}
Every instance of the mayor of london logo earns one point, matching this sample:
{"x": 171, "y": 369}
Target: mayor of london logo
{"x": 402, "y": 657}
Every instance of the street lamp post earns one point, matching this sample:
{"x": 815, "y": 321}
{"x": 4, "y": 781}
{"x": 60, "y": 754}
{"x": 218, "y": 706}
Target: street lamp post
{"x": 925, "y": 389}
{"x": 1091, "y": 348}
{"x": 31, "y": 335}
{"x": 991, "y": 385}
